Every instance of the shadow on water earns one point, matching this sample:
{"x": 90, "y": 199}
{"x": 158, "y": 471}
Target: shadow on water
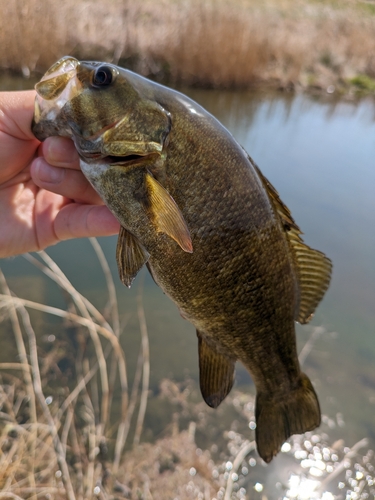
{"x": 319, "y": 155}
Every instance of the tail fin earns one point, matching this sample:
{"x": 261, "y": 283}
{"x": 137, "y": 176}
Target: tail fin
{"x": 277, "y": 420}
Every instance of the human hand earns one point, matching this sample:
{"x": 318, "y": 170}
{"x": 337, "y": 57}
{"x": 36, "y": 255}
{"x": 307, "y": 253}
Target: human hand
{"x": 44, "y": 197}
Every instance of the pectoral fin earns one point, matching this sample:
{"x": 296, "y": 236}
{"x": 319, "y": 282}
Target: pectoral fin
{"x": 166, "y": 214}
{"x": 216, "y": 373}
{"x": 130, "y": 256}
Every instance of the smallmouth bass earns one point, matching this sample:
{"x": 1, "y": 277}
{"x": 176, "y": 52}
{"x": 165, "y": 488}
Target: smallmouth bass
{"x": 212, "y": 230}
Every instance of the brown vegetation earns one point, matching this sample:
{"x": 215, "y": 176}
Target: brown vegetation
{"x": 61, "y": 436}
{"x": 287, "y": 44}
{"x": 55, "y": 426}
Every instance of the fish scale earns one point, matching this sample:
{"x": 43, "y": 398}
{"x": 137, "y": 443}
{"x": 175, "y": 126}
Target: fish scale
{"x": 211, "y": 228}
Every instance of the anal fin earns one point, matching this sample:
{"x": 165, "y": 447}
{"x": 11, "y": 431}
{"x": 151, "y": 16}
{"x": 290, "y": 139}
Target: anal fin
{"x": 130, "y": 256}
{"x": 216, "y": 373}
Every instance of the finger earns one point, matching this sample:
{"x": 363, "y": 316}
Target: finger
{"x": 17, "y": 110}
{"x": 81, "y": 221}
{"x": 57, "y": 219}
{"x": 64, "y": 181}
{"x": 61, "y": 152}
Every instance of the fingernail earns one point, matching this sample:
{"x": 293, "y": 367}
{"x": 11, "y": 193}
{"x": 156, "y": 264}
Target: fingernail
{"x": 46, "y": 173}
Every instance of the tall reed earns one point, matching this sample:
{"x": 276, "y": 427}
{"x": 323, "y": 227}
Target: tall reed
{"x": 216, "y": 43}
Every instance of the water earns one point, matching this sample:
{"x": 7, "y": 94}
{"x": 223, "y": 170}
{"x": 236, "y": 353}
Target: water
{"x": 319, "y": 154}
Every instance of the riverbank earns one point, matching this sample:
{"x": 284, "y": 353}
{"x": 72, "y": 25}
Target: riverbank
{"x": 288, "y": 44}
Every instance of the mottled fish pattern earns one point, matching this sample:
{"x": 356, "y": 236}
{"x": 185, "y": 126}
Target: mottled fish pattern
{"x": 212, "y": 230}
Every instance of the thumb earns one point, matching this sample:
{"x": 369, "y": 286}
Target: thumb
{"x": 81, "y": 221}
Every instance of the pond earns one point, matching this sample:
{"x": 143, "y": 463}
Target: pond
{"x": 319, "y": 154}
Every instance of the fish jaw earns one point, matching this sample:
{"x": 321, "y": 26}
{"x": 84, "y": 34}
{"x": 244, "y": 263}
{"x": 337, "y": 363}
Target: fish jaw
{"x": 101, "y": 171}
{"x": 116, "y": 185}
{"x": 94, "y": 171}
{"x": 57, "y": 87}
{"x": 123, "y": 152}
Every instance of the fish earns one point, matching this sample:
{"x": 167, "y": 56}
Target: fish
{"x": 212, "y": 230}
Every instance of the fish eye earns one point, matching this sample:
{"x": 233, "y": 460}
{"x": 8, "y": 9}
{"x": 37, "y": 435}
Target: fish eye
{"x": 103, "y": 76}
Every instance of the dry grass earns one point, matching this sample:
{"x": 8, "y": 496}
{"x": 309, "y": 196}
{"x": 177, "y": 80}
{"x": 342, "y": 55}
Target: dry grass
{"x": 289, "y": 43}
{"x": 65, "y": 440}
{"x": 58, "y": 446}
{"x": 70, "y": 446}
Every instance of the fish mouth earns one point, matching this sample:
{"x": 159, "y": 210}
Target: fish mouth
{"x": 122, "y": 153}
{"x": 117, "y": 160}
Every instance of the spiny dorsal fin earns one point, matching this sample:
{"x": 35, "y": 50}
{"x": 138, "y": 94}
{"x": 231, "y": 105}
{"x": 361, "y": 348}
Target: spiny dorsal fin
{"x": 281, "y": 209}
{"x": 216, "y": 373}
{"x": 130, "y": 256}
{"x": 167, "y": 215}
{"x": 313, "y": 267}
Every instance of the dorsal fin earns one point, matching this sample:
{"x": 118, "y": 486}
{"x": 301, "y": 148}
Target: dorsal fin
{"x": 216, "y": 373}
{"x": 130, "y": 256}
{"x": 313, "y": 268}
{"x": 281, "y": 209}
{"x": 314, "y": 274}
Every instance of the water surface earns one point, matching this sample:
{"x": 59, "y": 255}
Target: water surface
{"x": 319, "y": 154}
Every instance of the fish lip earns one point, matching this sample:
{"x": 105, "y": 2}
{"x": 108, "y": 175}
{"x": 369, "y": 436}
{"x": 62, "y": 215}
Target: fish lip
{"x": 118, "y": 161}
{"x": 136, "y": 156}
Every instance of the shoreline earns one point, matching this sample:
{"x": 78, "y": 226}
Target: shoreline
{"x": 15, "y": 80}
